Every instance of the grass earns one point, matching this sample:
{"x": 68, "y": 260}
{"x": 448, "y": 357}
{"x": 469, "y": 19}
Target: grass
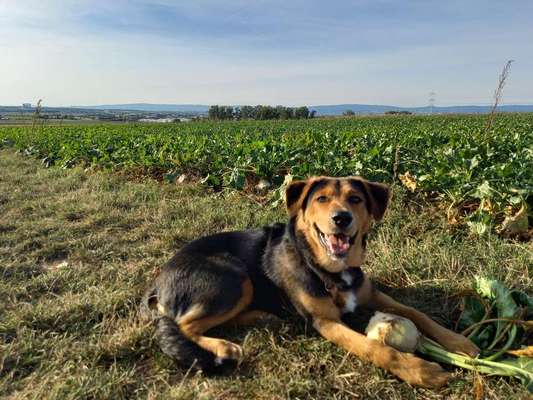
{"x": 78, "y": 248}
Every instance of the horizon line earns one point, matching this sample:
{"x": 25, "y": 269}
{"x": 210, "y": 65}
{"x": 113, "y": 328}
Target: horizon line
{"x": 272, "y": 105}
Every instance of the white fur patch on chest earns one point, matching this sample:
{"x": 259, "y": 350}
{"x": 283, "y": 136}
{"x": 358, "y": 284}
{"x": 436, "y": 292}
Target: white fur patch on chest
{"x": 350, "y": 299}
{"x": 347, "y": 277}
{"x": 350, "y": 302}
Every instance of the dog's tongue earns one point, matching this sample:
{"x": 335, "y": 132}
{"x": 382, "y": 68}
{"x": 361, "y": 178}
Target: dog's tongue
{"x": 339, "y": 243}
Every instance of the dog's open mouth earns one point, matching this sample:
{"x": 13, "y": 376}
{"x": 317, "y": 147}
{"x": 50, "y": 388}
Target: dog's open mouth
{"x": 337, "y": 244}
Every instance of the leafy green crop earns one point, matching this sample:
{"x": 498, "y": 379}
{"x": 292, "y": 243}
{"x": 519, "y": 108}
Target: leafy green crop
{"x": 497, "y": 320}
{"x": 452, "y": 157}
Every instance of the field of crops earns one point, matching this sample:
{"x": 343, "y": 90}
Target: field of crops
{"x": 489, "y": 173}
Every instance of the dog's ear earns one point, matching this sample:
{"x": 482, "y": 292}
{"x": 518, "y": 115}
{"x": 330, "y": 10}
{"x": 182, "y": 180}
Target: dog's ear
{"x": 294, "y": 195}
{"x": 378, "y": 198}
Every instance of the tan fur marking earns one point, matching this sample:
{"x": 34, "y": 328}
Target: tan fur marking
{"x": 318, "y": 307}
{"x": 193, "y": 327}
{"x": 195, "y": 312}
{"x": 220, "y": 347}
{"x": 162, "y": 310}
{"x": 450, "y": 340}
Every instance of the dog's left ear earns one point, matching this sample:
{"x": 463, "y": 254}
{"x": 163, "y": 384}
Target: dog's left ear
{"x": 293, "y": 196}
{"x": 378, "y": 197}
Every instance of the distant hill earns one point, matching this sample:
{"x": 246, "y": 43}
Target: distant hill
{"x": 185, "y": 108}
{"x": 338, "y": 109}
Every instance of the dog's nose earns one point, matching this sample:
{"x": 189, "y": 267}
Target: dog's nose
{"x": 342, "y": 218}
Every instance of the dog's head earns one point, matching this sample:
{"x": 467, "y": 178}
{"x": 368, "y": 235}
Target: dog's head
{"x": 334, "y": 215}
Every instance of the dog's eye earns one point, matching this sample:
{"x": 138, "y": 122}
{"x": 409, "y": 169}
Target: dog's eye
{"x": 322, "y": 199}
{"x": 354, "y": 199}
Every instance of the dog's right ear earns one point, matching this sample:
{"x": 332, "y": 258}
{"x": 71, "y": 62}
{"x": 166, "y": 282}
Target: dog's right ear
{"x": 379, "y": 196}
{"x": 294, "y": 195}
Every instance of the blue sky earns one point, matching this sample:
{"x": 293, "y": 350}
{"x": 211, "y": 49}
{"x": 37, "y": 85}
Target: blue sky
{"x": 264, "y": 51}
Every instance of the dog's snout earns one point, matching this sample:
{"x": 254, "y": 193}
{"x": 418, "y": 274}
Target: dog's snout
{"x": 342, "y": 219}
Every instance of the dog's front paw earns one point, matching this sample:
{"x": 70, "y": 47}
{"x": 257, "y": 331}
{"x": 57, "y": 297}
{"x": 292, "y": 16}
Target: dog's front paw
{"x": 457, "y": 343}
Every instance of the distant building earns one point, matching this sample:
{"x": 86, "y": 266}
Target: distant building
{"x": 158, "y": 120}
{"x": 26, "y": 105}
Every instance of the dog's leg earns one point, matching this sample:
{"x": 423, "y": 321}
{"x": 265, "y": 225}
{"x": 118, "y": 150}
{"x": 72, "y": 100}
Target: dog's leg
{"x": 255, "y": 317}
{"x": 450, "y": 340}
{"x": 192, "y": 326}
{"x": 407, "y": 367}
{"x": 326, "y": 320}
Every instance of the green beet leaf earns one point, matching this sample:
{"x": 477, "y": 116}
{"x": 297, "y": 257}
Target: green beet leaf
{"x": 498, "y": 294}
{"x": 473, "y": 312}
{"x": 525, "y": 301}
{"x": 502, "y": 299}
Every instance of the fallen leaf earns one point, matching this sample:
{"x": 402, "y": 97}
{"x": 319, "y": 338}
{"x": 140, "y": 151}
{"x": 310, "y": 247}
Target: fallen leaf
{"x": 478, "y": 387}
{"x": 408, "y": 180}
{"x": 523, "y": 352}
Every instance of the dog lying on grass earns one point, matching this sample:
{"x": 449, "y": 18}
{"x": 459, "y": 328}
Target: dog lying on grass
{"x": 310, "y": 266}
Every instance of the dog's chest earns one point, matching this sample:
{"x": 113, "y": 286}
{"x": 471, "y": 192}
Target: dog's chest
{"x": 350, "y": 302}
{"x": 344, "y": 296}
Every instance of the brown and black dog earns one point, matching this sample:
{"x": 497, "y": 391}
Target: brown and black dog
{"x": 310, "y": 266}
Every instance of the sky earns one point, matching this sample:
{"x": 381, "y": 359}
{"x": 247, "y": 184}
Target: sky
{"x": 290, "y": 52}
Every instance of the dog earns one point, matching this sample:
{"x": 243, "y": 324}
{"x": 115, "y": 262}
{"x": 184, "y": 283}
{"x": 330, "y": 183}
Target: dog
{"x": 310, "y": 266}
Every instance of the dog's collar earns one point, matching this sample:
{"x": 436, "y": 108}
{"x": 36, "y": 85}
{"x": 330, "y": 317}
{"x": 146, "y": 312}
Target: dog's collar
{"x": 350, "y": 278}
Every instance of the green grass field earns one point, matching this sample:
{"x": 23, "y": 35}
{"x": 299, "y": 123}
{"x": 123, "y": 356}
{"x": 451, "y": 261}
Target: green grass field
{"x": 77, "y": 249}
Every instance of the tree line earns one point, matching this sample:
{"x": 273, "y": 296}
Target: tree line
{"x": 259, "y": 112}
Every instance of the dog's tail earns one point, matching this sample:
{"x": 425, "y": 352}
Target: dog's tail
{"x": 172, "y": 341}
{"x": 147, "y": 310}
